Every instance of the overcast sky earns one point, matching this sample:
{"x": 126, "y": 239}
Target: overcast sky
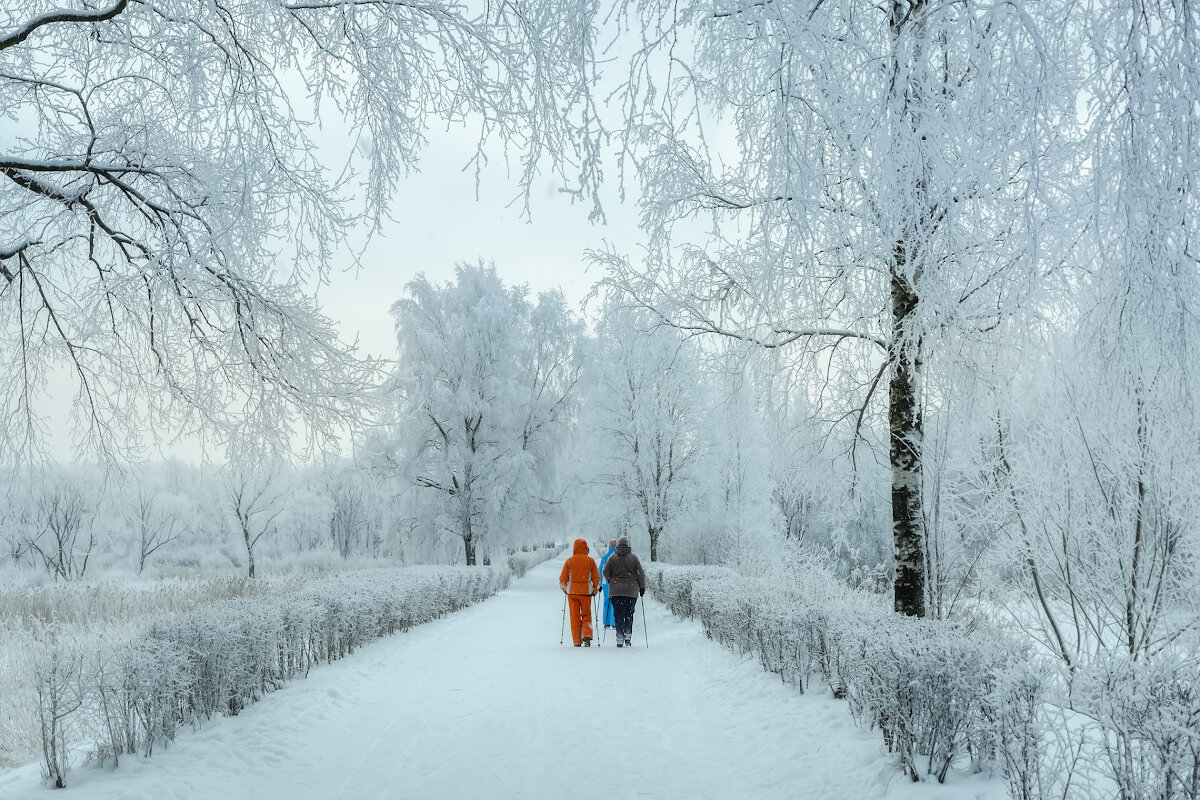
{"x": 439, "y": 224}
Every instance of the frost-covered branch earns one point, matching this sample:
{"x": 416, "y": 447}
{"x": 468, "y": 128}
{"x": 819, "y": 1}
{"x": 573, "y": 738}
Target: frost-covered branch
{"x": 64, "y": 15}
{"x": 165, "y": 191}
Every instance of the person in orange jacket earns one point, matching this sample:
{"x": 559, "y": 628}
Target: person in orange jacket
{"x": 580, "y": 580}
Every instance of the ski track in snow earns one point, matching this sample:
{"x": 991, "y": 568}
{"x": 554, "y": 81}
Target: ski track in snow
{"x": 487, "y": 704}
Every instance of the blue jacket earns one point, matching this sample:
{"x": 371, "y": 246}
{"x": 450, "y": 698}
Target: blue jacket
{"x": 604, "y": 558}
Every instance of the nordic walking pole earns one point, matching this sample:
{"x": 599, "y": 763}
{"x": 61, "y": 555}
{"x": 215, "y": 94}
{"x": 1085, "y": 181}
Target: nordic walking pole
{"x": 595, "y": 601}
{"x": 562, "y": 631}
{"x": 646, "y": 635}
{"x": 603, "y": 626}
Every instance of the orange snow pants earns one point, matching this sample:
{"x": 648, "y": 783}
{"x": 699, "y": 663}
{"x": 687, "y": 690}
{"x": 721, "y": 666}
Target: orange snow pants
{"x": 581, "y": 616}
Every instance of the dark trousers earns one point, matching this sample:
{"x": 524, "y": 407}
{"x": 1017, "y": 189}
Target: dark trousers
{"x": 623, "y": 610}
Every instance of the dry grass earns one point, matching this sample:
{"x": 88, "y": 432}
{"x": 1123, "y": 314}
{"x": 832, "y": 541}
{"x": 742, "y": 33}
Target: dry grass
{"x": 35, "y": 607}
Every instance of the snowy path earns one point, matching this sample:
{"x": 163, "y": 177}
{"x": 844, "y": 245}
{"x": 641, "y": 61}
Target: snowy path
{"x": 487, "y": 704}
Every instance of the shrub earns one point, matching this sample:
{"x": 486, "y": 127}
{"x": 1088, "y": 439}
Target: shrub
{"x": 520, "y": 563}
{"x": 1150, "y": 713}
{"x": 131, "y": 693}
{"x": 923, "y": 684}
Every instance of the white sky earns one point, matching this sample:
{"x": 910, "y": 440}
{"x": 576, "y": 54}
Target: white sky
{"x": 439, "y": 224}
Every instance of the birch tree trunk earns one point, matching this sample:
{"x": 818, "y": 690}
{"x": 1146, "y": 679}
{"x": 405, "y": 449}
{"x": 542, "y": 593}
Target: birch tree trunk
{"x": 906, "y": 440}
{"x": 906, "y": 107}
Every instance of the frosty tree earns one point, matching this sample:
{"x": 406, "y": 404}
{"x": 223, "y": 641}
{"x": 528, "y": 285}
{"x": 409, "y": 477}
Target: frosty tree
{"x": 158, "y": 519}
{"x": 65, "y": 516}
{"x": 164, "y": 211}
{"x": 254, "y": 498}
{"x": 1145, "y": 326}
{"x": 1102, "y": 468}
{"x": 483, "y": 393}
{"x": 739, "y": 486}
{"x": 643, "y": 420}
{"x": 869, "y": 174}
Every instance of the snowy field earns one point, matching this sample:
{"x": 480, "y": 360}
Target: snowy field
{"x": 487, "y": 704}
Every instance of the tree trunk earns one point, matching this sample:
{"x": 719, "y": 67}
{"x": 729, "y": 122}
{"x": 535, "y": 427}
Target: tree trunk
{"x": 468, "y": 534}
{"x": 904, "y": 422}
{"x": 904, "y": 400}
{"x": 249, "y": 550}
{"x": 654, "y": 534}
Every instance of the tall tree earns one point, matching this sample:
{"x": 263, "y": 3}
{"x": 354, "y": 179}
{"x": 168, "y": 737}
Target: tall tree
{"x": 164, "y": 211}
{"x": 1144, "y": 328}
{"x": 869, "y": 174}
{"x": 1103, "y": 471}
{"x": 644, "y": 418}
{"x": 484, "y": 391}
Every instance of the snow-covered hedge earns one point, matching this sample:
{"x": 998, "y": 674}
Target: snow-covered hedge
{"x": 129, "y": 695}
{"x": 520, "y": 563}
{"x": 1150, "y": 716}
{"x": 34, "y": 615}
{"x": 923, "y": 684}
{"x": 942, "y": 695}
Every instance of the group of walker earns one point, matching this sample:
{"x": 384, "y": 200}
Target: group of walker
{"x": 619, "y": 578}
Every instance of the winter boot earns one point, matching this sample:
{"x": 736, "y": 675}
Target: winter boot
{"x": 587, "y": 641}
{"x": 618, "y": 642}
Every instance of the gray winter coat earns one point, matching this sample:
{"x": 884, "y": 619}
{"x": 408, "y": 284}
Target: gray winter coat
{"x": 624, "y": 573}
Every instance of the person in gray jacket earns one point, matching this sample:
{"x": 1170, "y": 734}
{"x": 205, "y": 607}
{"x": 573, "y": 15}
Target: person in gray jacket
{"x": 626, "y": 583}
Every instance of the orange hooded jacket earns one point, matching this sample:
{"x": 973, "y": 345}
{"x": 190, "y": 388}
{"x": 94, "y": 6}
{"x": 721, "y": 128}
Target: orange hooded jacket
{"x": 580, "y": 575}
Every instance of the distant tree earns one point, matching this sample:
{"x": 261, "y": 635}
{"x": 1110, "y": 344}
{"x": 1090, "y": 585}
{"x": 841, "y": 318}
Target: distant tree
{"x": 255, "y": 499}
{"x": 809, "y": 471}
{"x": 158, "y": 508}
{"x": 164, "y": 209}
{"x": 160, "y": 520}
{"x": 16, "y": 523}
{"x": 483, "y": 390}
{"x": 305, "y": 519}
{"x": 643, "y": 421}
{"x": 63, "y": 517}
{"x": 739, "y": 485}
{"x": 348, "y": 519}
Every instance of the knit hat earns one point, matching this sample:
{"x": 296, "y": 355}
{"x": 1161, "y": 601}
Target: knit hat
{"x": 624, "y": 540}
{"x": 612, "y": 542}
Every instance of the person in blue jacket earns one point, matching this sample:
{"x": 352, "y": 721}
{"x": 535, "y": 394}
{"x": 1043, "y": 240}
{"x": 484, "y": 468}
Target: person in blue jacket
{"x": 610, "y": 620}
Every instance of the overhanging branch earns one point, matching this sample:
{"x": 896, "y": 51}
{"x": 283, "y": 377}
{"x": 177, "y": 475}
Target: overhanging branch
{"x": 53, "y": 17}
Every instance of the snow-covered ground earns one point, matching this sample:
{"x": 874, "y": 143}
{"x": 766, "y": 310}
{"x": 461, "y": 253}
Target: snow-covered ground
{"x": 487, "y": 704}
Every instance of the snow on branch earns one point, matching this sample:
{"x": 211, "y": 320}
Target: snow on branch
{"x": 54, "y": 17}
{"x": 168, "y": 194}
